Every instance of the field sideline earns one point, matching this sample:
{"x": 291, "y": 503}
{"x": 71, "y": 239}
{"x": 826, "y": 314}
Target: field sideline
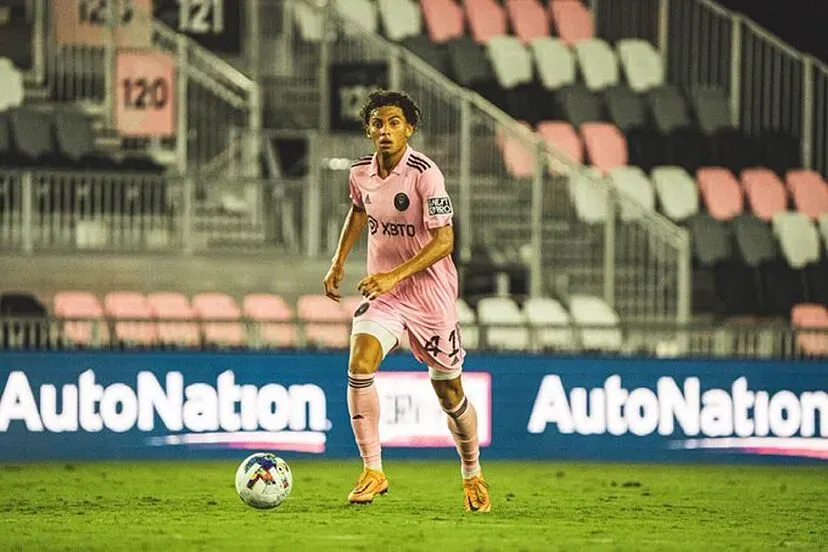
{"x": 537, "y": 506}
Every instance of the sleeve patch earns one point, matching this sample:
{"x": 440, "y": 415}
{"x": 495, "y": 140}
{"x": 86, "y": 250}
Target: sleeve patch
{"x": 439, "y": 206}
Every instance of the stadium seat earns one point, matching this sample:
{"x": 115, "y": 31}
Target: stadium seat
{"x": 212, "y": 307}
{"x": 75, "y": 141}
{"x": 400, "y": 19}
{"x": 326, "y": 322}
{"x": 487, "y": 19}
{"x": 518, "y": 157}
{"x": 578, "y": 105}
{"x": 780, "y": 286}
{"x": 31, "y": 133}
{"x": 529, "y": 19}
{"x": 563, "y": 137}
{"x": 504, "y": 323}
{"x": 677, "y": 192}
{"x": 470, "y": 334}
{"x": 93, "y": 329}
{"x": 809, "y": 191}
{"x": 642, "y": 64}
{"x": 471, "y": 68}
{"x": 555, "y": 62}
{"x": 605, "y": 145}
{"x": 590, "y": 315}
{"x": 512, "y": 64}
{"x": 765, "y": 192}
{"x": 549, "y": 323}
{"x": 11, "y": 84}
{"x": 591, "y": 201}
{"x": 800, "y": 244}
{"x": 435, "y": 55}
{"x": 629, "y": 112}
{"x": 363, "y": 13}
{"x": 805, "y": 316}
{"x": 572, "y": 20}
{"x": 633, "y": 185}
{"x": 728, "y": 147}
{"x": 16, "y": 37}
{"x": 598, "y": 64}
{"x": 274, "y": 320}
{"x": 444, "y": 20}
{"x": 175, "y": 316}
{"x": 721, "y": 192}
{"x": 712, "y": 255}
{"x": 309, "y": 21}
{"x": 683, "y": 144}
{"x": 138, "y": 329}
{"x": 25, "y": 322}
{"x": 351, "y": 303}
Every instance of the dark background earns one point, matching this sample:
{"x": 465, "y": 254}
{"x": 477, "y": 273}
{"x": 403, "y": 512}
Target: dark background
{"x": 801, "y": 23}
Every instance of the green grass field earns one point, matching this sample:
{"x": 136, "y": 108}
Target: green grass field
{"x": 537, "y": 506}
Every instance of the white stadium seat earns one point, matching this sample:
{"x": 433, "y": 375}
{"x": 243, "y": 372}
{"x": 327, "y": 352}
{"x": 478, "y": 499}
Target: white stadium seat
{"x": 590, "y": 200}
{"x": 642, "y": 64}
{"x": 470, "y": 335}
{"x": 598, "y": 64}
{"x": 677, "y": 192}
{"x": 798, "y": 238}
{"x": 511, "y": 61}
{"x": 503, "y": 310}
{"x": 555, "y": 62}
{"x": 632, "y": 183}
{"x": 545, "y": 311}
{"x": 361, "y": 12}
{"x": 593, "y": 311}
{"x": 401, "y": 18}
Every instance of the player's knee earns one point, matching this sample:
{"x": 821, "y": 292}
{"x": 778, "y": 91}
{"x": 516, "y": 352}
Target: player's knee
{"x": 366, "y": 354}
{"x": 449, "y": 392}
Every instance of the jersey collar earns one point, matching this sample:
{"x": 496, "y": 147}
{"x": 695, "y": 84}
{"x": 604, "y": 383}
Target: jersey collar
{"x": 399, "y": 169}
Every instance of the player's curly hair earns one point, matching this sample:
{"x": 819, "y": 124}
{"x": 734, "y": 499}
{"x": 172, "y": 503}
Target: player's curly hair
{"x": 380, "y": 98}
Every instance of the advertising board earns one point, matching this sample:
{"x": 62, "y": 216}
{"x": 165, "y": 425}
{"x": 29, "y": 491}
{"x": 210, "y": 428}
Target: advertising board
{"x": 161, "y": 405}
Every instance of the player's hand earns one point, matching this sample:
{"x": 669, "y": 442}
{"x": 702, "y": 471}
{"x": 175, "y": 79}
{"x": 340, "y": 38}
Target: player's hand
{"x": 332, "y": 280}
{"x": 375, "y": 285}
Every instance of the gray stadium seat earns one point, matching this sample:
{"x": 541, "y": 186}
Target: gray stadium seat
{"x": 728, "y": 147}
{"x": 579, "y": 105}
{"x": 684, "y": 145}
{"x": 630, "y": 113}
{"x": 433, "y": 54}
{"x": 712, "y": 249}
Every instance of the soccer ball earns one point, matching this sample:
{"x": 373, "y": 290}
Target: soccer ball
{"x": 263, "y": 480}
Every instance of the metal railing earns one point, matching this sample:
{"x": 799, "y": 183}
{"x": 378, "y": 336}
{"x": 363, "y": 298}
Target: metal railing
{"x": 100, "y": 211}
{"x": 772, "y": 86}
{"x": 768, "y": 341}
{"x": 496, "y": 204}
{"x": 212, "y": 96}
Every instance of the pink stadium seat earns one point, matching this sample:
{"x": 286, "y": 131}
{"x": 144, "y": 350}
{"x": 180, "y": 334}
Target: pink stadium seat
{"x": 721, "y": 192}
{"x": 274, "y": 317}
{"x": 562, "y": 136}
{"x": 134, "y": 307}
{"x": 572, "y": 20}
{"x": 351, "y": 303}
{"x": 487, "y": 19}
{"x": 765, "y": 192}
{"x": 443, "y": 19}
{"x": 809, "y": 191}
{"x": 517, "y": 155}
{"x": 811, "y": 315}
{"x": 528, "y": 19}
{"x": 81, "y": 304}
{"x": 605, "y": 144}
{"x": 219, "y": 306}
{"x": 174, "y": 306}
{"x": 326, "y": 321}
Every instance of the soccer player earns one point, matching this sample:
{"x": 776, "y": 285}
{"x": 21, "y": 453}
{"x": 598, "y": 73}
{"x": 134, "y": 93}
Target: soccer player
{"x": 411, "y": 286}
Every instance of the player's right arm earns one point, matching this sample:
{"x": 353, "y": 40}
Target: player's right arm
{"x": 351, "y": 231}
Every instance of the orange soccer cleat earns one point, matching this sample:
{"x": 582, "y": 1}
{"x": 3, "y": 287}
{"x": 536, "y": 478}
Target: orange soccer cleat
{"x": 371, "y": 483}
{"x": 476, "y": 492}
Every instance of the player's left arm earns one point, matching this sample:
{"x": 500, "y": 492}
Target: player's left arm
{"x": 437, "y": 217}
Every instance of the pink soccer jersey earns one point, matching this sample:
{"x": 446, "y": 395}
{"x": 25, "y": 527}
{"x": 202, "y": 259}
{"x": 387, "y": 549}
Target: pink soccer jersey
{"x": 401, "y": 210}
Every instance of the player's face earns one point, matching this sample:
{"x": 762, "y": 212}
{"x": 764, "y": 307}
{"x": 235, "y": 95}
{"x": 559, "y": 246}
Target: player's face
{"x": 388, "y": 129}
